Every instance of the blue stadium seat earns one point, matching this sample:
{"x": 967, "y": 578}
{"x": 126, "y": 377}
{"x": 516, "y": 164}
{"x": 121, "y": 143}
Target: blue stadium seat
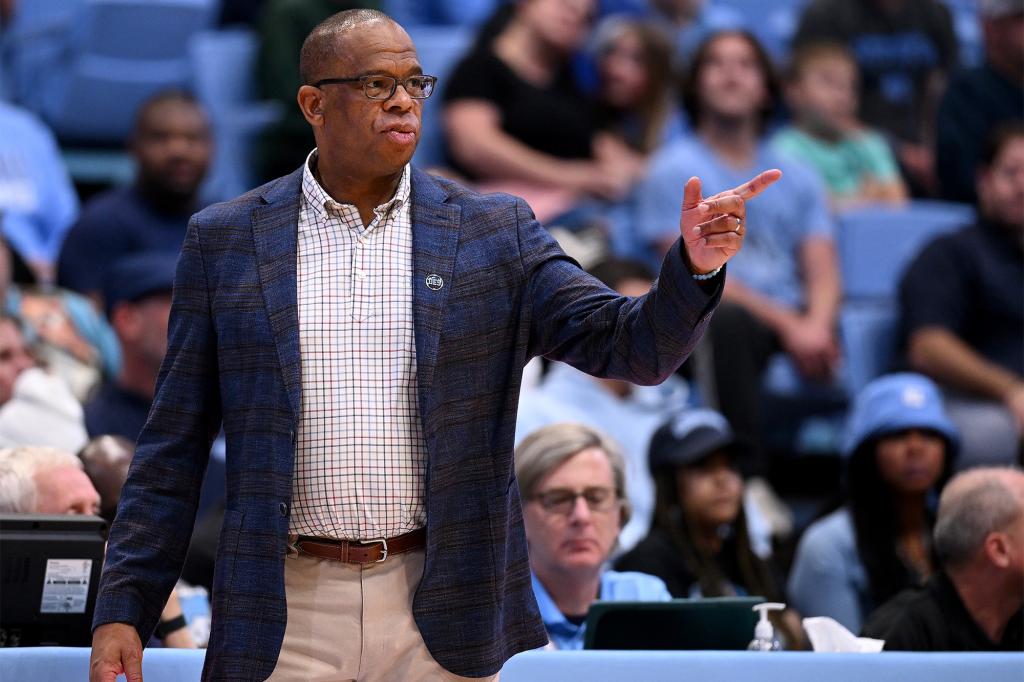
{"x": 439, "y": 49}
{"x": 437, "y": 13}
{"x": 875, "y": 244}
{"x": 868, "y": 331}
{"x": 223, "y": 78}
{"x": 774, "y": 23}
{"x": 35, "y": 38}
{"x": 119, "y": 53}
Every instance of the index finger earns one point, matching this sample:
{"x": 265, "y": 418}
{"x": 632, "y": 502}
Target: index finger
{"x": 759, "y": 184}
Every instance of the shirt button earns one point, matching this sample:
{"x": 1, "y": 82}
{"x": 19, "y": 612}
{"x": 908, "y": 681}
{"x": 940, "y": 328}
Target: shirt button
{"x": 360, "y": 274}
{"x": 283, "y": 507}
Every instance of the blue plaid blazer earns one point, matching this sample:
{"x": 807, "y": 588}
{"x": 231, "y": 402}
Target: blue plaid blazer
{"x": 509, "y": 294}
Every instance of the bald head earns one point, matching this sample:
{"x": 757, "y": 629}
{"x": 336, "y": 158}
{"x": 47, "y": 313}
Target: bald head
{"x": 326, "y": 41}
{"x": 973, "y": 505}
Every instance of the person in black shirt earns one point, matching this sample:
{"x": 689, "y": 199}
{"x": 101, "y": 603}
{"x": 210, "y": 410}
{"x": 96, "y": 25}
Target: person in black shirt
{"x": 980, "y": 99}
{"x": 515, "y": 121}
{"x": 699, "y": 544}
{"x": 962, "y": 310}
{"x": 975, "y": 603}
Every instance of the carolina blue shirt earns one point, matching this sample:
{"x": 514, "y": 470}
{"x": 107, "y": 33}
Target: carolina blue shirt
{"x": 779, "y": 221}
{"x": 37, "y": 201}
{"x": 828, "y": 577}
{"x": 615, "y": 586}
{"x": 569, "y": 395}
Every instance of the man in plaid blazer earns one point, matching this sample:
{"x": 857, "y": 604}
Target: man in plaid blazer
{"x": 490, "y": 289}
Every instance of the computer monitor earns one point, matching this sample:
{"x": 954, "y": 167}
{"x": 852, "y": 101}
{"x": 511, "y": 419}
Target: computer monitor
{"x": 719, "y": 623}
{"x": 49, "y": 574}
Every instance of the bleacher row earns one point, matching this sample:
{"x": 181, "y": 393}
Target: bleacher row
{"x": 84, "y": 66}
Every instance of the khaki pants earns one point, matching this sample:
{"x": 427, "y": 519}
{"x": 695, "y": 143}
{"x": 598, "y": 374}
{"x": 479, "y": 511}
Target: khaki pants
{"x": 351, "y": 622}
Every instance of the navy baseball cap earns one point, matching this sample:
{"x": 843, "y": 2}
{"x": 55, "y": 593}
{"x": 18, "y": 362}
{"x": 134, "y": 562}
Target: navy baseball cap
{"x": 691, "y": 436}
{"x": 137, "y": 276}
{"x": 897, "y": 402}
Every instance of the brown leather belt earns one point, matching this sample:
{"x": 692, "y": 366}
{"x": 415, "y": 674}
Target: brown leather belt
{"x": 361, "y": 551}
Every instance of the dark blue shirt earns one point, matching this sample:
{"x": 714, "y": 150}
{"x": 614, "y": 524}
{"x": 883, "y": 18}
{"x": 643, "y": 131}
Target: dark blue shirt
{"x": 115, "y": 411}
{"x": 115, "y": 224}
{"x": 970, "y": 283}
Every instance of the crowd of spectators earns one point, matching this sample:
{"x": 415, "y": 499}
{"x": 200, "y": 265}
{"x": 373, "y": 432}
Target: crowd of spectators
{"x": 597, "y": 113}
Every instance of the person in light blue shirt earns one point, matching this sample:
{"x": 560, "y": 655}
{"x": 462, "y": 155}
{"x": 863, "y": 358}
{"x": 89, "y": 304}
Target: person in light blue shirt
{"x": 567, "y": 632}
{"x": 37, "y": 200}
{"x": 900, "y": 448}
{"x": 572, "y": 482}
{"x": 783, "y": 289}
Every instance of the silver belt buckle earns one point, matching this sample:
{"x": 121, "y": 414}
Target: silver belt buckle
{"x": 384, "y": 548}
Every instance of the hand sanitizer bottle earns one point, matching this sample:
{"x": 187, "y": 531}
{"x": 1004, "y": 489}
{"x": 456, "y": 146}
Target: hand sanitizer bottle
{"x": 764, "y": 633}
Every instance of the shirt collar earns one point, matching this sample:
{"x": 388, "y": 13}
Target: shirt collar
{"x": 319, "y": 200}
{"x": 554, "y": 620}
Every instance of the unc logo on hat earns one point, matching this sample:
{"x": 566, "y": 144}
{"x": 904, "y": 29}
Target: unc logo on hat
{"x": 914, "y": 397}
{"x": 898, "y": 402}
{"x": 434, "y": 282}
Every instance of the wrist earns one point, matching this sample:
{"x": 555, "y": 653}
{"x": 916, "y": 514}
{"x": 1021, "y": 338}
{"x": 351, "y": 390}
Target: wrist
{"x": 169, "y": 626}
{"x": 705, "y": 276}
{"x": 820, "y": 317}
{"x": 697, "y": 270}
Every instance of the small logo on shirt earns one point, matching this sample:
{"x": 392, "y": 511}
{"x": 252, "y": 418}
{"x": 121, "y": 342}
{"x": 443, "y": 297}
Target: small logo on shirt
{"x": 434, "y": 282}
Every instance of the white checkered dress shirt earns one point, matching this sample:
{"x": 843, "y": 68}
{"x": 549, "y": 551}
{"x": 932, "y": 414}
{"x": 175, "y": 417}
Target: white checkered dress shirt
{"x": 360, "y": 458}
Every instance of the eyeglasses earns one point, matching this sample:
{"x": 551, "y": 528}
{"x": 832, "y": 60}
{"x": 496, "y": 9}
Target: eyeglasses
{"x": 383, "y": 87}
{"x": 563, "y": 500}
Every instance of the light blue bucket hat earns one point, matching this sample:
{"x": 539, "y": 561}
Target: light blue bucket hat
{"x": 897, "y": 402}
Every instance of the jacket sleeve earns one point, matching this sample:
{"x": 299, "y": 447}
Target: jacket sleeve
{"x": 578, "y": 320}
{"x": 157, "y": 508}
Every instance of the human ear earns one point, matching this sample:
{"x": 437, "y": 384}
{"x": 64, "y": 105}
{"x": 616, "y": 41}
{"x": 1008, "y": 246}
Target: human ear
{"x": 311, "y": 103}
{"x": 997, "y": 549}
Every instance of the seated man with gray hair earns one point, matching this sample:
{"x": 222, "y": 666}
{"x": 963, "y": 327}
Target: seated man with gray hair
{"x": 572, "y": 480}
{"x": 37, "y": 479}
{"x": 976, "y": 602}
{"x": 44, "y": 480}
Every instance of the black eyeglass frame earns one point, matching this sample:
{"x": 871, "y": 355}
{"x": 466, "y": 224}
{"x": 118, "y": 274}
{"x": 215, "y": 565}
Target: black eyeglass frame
{"x": 362, "y": 80}
{"x": 607, "y": 499}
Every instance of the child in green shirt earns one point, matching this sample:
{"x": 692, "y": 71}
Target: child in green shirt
{"x": 855, "y": 162}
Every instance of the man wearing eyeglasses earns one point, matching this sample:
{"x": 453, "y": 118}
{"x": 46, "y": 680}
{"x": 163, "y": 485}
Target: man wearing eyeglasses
{"x": 360, "y": 328}
{"x": 572, "y": 480}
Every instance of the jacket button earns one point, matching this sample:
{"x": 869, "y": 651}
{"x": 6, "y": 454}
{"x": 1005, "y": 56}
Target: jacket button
{"x": 292, "y": 435}
{"x": 283, "y": 507}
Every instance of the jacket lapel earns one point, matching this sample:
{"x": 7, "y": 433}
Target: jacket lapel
{"x": 435, "y": 239}
{"x": 275, "y": 227}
